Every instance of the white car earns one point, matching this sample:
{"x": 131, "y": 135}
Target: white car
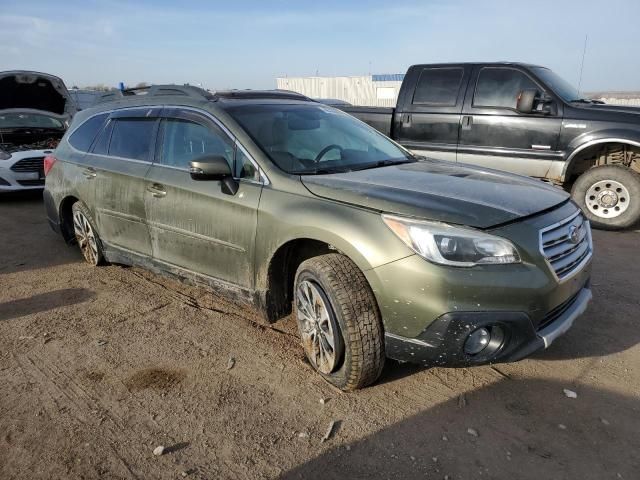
{"x": 35, "y": 110}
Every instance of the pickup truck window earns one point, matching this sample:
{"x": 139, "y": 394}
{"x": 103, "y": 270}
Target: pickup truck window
{"x": 438, "y": 86}
{"x": 305, "y": 139}
{"x": 559, "y": 85}
{"x": 499, "y": 87}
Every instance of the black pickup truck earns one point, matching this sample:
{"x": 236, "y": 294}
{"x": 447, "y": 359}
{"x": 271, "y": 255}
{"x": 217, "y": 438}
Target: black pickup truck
{"x": 523, "y": 119}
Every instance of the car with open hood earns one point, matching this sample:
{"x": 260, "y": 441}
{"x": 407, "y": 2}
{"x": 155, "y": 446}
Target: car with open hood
{"x": 35, "y": 111}
{"x": 292, "y": 205}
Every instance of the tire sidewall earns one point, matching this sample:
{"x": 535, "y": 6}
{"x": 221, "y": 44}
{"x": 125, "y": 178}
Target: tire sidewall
{"x": 340, "y": 376}
{"x": 627, "y": 177}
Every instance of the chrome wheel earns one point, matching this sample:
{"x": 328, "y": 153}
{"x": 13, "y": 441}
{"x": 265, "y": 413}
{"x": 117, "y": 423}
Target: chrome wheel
{"x": 86, "y": 237}
{"x": 607, "y": 199}
{"x": 321, "y": 338}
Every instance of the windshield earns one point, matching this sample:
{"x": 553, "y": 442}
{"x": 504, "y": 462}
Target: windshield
{"x": 29, "y": 120}
{"x": 309, "y": 138}
{"x": 559, "y": 85}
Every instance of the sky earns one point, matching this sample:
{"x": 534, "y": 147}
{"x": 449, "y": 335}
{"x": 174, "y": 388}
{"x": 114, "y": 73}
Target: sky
{"x": 247, "y": 44}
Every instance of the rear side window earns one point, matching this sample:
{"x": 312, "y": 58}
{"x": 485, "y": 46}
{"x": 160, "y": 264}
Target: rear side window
{"x": 84, "y": 135}
{"x": 184, "y": 141}
{"x": 132, "y": 137}
{"x": 438, "y": 86}
{"x": 499, "y": 87}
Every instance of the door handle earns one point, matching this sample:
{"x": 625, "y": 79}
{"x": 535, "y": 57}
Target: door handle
{"x": 467, "y": 122}
{"x": 89, "y": 173}
{"x": 406, "y": 120}
{"x": 157, "y": 190}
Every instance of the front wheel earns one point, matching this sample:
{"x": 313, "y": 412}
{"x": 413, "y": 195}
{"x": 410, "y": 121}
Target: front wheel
{"x": 609, "y": 196}
{"x": 339, "y": 321}
{"x": 86, "y": 235}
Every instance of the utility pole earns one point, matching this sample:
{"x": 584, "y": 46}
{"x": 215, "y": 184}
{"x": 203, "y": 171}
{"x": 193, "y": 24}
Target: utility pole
{"x": 584, "y": 53}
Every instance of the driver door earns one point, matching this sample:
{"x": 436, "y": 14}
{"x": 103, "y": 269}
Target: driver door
{"x": 194, "y": 225}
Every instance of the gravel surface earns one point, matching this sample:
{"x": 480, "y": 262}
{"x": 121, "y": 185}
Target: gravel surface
{"x": 101, "y": 366}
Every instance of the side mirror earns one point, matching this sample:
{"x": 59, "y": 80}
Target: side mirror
{"x": 214, "y": 167}
{"x": 526, "y": 100}
{"x": 210, "y": 167}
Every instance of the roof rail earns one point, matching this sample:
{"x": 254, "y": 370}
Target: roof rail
{"x": 250, "y": 94}
{"x": 156, "y": 91}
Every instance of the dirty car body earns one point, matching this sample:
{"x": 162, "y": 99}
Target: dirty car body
{"x": 380, "y": 253}
{"x": 35, "y": 110}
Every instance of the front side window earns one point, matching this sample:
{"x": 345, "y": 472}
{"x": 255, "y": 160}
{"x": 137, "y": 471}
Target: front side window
{"x": 84, "y": 135}
{"x": 311, "y": 139}
{"x": 500, "y": 87}
{"x": 244, "y": 168}
{"x": 184, "y": 141}
{"x": 438, "y": 86}
{"x": 132, "y": 137}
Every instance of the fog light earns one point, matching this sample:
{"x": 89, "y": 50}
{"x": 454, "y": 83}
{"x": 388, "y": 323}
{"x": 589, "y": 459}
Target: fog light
{"x": 477, "y": 341}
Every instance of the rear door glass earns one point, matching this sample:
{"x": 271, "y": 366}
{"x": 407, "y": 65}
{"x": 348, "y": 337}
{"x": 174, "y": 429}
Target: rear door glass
{"x": 438, "y": 86}
{"x": 84, "y": 135}
{"x": 132, "y": 138}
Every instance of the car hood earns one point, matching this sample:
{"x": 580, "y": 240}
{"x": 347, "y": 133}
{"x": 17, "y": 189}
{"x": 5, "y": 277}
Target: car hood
{"x": 35, "y": 91}
{"x": 440, "y": 191}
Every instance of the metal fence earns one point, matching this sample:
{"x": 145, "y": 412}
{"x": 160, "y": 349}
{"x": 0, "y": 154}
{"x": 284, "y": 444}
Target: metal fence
{"x": 369, "y": 90}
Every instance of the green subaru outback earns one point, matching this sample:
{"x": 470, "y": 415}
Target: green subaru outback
{"x": 286, "y": 203}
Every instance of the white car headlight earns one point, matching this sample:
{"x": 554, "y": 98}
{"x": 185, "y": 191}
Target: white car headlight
{"x": 448, "y": 245}
{"x": 4, "y": 155}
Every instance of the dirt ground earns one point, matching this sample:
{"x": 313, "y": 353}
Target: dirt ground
{"x": 99, "y": 366}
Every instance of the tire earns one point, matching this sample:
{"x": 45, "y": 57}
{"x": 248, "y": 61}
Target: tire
{"x": 609, "y": 196}
{"x": 352, "y": 321}
{"x": 86, "y": 235}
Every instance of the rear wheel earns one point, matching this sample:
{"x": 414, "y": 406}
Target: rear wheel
{"x": 338, "y": 321}
{"x": 609, "y": 196}
{"x": 86, "y": 235}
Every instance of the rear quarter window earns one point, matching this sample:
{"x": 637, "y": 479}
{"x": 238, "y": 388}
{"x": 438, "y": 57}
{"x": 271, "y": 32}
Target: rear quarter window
{"x": 82, "y": 138}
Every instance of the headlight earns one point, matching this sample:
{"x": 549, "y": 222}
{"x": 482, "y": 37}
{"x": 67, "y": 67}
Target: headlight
{"x": 4, "y": 155}
{"x": 449, "y": 245}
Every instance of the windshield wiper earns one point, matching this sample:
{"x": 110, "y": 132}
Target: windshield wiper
{"x": 318, "y": 171}
{"x": 383, "y": 163}
{"x": 581, "y": 100}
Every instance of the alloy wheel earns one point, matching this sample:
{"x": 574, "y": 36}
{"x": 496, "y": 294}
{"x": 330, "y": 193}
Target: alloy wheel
{"x": 321, "y": 337}
{"x": 86, "y": 237}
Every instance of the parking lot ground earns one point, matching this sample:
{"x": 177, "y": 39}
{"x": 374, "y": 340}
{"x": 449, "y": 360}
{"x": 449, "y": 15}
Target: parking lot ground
{"x": 99, "y": 366}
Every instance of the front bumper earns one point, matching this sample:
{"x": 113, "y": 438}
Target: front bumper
{"x": 442, "y": 343}
{"x": 23, "y": 171}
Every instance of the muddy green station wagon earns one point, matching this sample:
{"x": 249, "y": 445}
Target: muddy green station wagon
{"x": 288, "y": 204}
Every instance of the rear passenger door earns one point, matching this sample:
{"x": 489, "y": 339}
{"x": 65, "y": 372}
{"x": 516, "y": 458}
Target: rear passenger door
{"x": 430, "y": 120}
{"x": 195, "y": 225}
{"x": 494, "y": 134}
{"x": 121, "y": 157}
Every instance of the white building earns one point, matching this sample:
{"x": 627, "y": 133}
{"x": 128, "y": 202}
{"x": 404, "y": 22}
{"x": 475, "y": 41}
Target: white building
{"x": 369, "y": 90}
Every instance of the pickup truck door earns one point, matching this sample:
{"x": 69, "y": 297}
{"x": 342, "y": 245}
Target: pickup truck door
{"x": 427, "y": 119}
{"x": 194, "y": 224}
{"x": 494, "y": 134}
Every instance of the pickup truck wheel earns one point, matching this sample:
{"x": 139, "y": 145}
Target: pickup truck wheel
{"x": 609, "y": 196}
{"x": 86, "y": 235}
{"x": 338, "y": 321}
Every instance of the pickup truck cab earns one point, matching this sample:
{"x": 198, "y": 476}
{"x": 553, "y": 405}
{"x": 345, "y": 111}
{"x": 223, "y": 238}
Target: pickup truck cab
{"x": 523, "y": 119}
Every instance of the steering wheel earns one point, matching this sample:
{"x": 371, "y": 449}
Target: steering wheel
{"x": 326, "y": 149}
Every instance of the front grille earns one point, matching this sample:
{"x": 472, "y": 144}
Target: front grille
{"x": 35, "y": 164}
{"x": 557, "y": 312}
{"x": 567, "y": 245}
{"x": 31, "y": 183}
